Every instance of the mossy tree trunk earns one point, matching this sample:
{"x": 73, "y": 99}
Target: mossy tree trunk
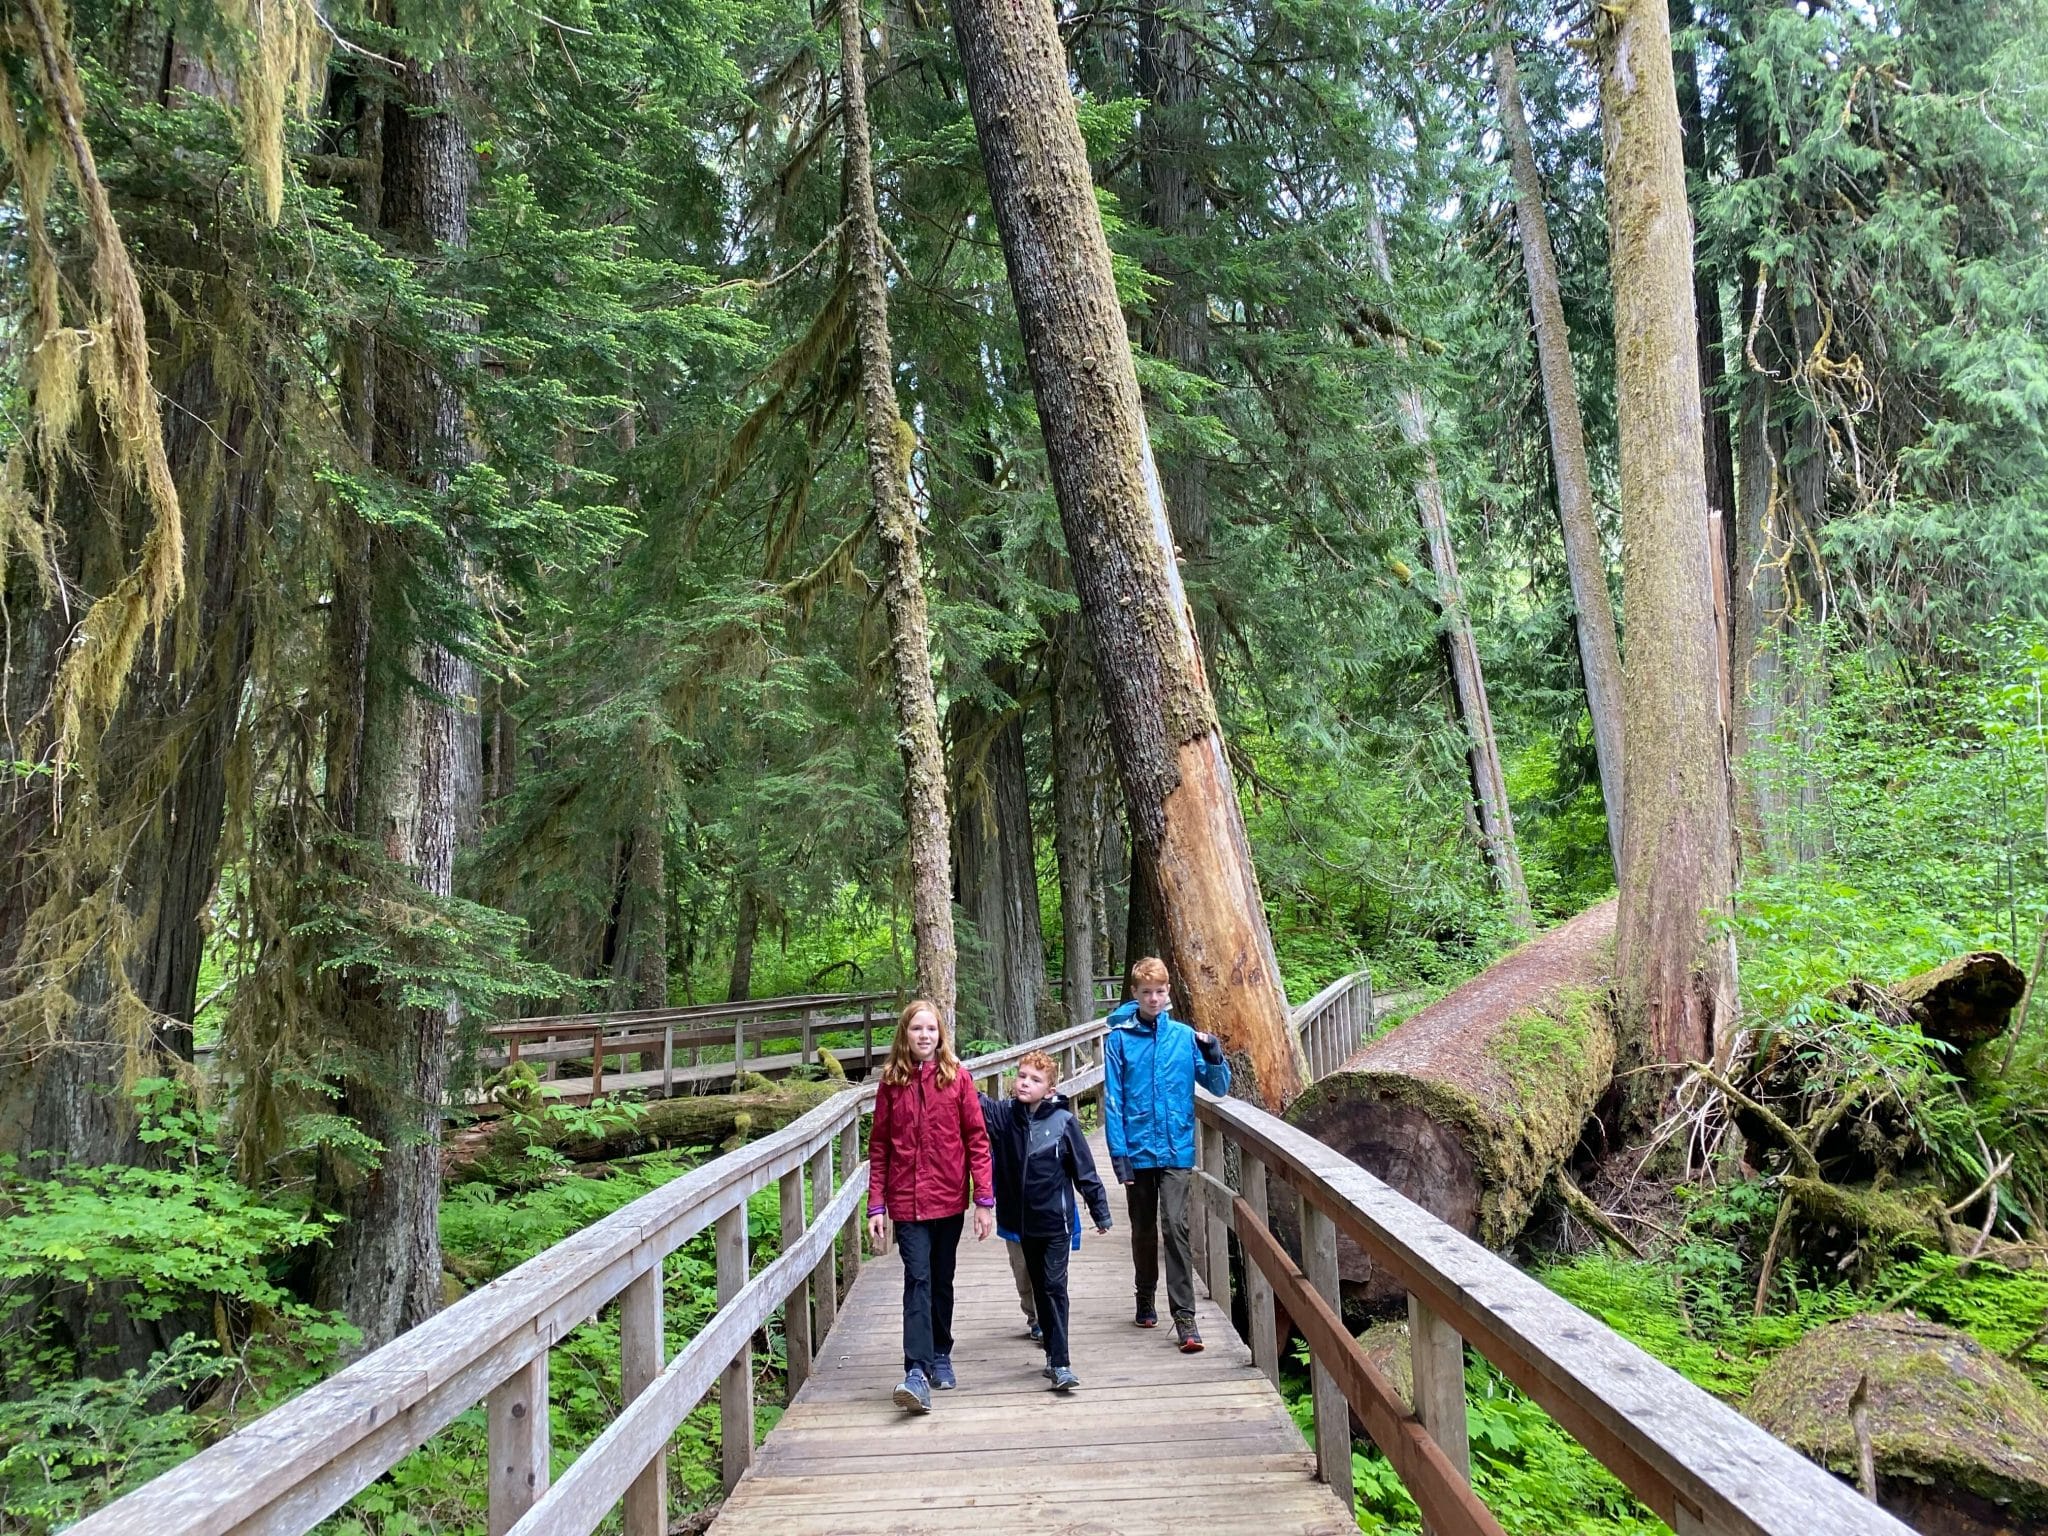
{"x": 1078, "y": 773}
{"x": 997, "y": 857}
{"x": 1585, "y": 560}
{"x": 889, "y": 442}
{"x": 1178, "y": 791}
{"x": 1676, "y": 975}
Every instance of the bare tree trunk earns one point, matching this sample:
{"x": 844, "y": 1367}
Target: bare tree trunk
{"x": 646, "y": 911}
{"x": 1113, "y": 896}
{"x": 996, "y": 859}
{"x": 1461, "y": 650}
{"x": 746, "y": 929}
{"x": 409, "y": 773}
{"x": 1677, "y": 979}
{"x": 1077, "y": 752}
{"x": 889, "y": 441}
{"x": 1586, "y": 563}
{"x": 1178, "y": 791}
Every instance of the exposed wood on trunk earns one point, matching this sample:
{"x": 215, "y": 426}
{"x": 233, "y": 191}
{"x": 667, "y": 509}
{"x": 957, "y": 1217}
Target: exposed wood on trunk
{"x": 998, "y": 872}
{"x": 1677, "y": 977}
{"x": 889, "y": 442}
{"x": 1585, "y": 560}
{"x": 1461, "y": 650}
{"x": 1178, "y": 792}
{"x": 1470, "y": 1106}
{"x": 408, "y": 766}
{"x": 1079, "y": 772}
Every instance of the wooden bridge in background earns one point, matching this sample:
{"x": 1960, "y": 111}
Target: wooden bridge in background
{"x": 1153, "y": 1441}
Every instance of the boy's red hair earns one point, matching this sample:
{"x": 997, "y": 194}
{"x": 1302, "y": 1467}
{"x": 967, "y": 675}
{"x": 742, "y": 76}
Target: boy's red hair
{"x": 1043, "y": 1063}
{"x": 1150, "y": 972}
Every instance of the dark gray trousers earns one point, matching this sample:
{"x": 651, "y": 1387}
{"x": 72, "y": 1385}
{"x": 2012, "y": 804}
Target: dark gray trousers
{"x": 1157, "y": 1199}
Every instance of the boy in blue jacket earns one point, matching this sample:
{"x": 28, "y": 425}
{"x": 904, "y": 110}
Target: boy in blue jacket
{"x": 1151, "y": 1063}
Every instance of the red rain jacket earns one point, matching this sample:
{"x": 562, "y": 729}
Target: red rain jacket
{"x": 925, "y": 1144}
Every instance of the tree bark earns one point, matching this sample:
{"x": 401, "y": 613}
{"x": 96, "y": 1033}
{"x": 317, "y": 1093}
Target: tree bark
{"x": 1179, "y": 795}
{"x": 889, "y": 442}
{"x": 1585, "y": 561}
{"x": 1077, "y": 780}
{"x": 1461, "y": 650}
{"x": 997, "y": 863}
{"x": 645, "y": 972}
{"x": 1469, "y": 1106}
{"x": 1677, "y": 978}
{"x": 746, "y": 929}
{"x": 408, "y": 773}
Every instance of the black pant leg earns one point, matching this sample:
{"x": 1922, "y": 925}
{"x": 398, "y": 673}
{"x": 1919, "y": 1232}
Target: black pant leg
{"x": 1175, "y": 1187}
{"x": 914, "y": 1247}
{"x": 1047, "y": 1258}
{"x": 945, "y": 1254}
{"x": 1141, "y": 1200}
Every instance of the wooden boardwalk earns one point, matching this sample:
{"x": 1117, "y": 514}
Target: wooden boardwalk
{"x": 1154, "y": 1440}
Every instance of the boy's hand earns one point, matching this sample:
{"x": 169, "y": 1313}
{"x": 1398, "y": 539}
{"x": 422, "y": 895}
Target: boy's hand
{"x": 1210, "y": 1047}
{"x": 1102, "y": 1231}
{"x": 984, "y": 1223}
{"x": 1121, "y": 1167}
{"x": 878, "y": 1232}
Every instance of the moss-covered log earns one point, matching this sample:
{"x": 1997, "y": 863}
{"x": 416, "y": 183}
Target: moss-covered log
{"x": 1961, "y": 1002}
{"x": 1957, "y": 1438}
{"x": 1468, "y": 1106}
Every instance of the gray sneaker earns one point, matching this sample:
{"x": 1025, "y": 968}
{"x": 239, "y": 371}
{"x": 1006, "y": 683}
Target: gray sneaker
{"x": 915, "y": 1393}
{"x": 1063, "y": 1379}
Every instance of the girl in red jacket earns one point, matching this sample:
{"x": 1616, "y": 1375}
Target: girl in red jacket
{"x": 927, "y": 1143}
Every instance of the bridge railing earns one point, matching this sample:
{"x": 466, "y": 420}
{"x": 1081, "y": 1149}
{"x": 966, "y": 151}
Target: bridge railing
{"x": 1697, "y": 1463}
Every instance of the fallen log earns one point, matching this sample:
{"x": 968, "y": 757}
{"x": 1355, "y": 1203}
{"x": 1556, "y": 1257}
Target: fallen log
{"x": 1469, "y": 1106}
{"x": 1961, "y": 1002}
{"x": 1953, "y": 1438}
{"x": 701, "y": 1120}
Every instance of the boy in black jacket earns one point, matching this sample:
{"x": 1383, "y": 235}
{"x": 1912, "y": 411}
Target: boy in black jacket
{"x": 1040, "y": 1158}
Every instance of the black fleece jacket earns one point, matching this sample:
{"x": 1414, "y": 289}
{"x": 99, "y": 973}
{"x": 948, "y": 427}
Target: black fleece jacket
{"x": 1040, "y": 1156}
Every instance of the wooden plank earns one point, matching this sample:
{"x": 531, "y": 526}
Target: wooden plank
{"x": 640, "y": 1363}
{"x": 668, "y": 1062}
{"x": 1258, "y": 1290}
{"x": 736, "y": 1385}
{"x": 516, "y": 1419}
{"x": 796, "y": 1308}
{"x": 1437, "y": 1365}
{"x": 1681, "y": 1451}
{"x": 1333, "y": 1418}
{"x": 856, "y": 1221}
{"x": 824, "y": 1278}
{"x": 1212, "y": 1215}
{"x": 1440, "y": 1491}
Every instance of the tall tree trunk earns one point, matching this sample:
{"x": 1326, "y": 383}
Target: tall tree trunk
{"x": 746, "y": 929}
{"x": 645, "y": 972}
{"x": 1179, "y": 796}
{"x": 997, "y": 864}
{"x": 1077, "y": 753}
{"x": 889, "y": 444}
{"x": 1677, "y": 979}
{"x": 1585, "y": 562}
{"x": 1461, "y": 649}
{"x": 1113, "y": 897}
{"x": 1719, "y": 452}
{"x": 407, "y": 768}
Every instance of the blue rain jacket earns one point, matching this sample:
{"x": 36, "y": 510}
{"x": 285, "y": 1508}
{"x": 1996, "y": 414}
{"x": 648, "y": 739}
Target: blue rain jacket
{"x": 1149, "y": 1076}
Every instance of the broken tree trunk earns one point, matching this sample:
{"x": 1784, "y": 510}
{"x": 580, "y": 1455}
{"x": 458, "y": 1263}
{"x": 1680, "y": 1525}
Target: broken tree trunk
{"x": 889, "y": 442}
{"x": 1961, "y": 1002}
{"x": 1468, "y": 1106}
{"x": 1178, "y": 789}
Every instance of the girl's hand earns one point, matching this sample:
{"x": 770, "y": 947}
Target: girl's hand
{"x": 878, "y": 1232}
{"x": 984, "y": 1223}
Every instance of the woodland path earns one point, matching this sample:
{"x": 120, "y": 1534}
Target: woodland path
{"x": 1154, "y": 1440}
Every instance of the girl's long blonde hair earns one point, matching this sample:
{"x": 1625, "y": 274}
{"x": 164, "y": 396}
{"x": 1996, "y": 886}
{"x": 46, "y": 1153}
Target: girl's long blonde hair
{"x": 901, "y": 1065}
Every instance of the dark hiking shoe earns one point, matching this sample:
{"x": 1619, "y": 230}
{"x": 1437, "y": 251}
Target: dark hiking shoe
{"x": 1048, "y": 1373}
{"x": 1187, "y": 1335}
{"x": 943, "y": 1379}
{"x": 1147, "y": 1317}
{"x": 1063, "y": 1379}
{"x": 1035, "y": 1333}
{"x": 915, "y": 1393}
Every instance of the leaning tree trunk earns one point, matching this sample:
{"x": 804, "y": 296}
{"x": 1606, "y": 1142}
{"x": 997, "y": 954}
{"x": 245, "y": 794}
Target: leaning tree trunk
{"x": 407, "y": 774}
{"x": 997, "y": 859}
{"x": 1585, "y": 562}
{"x": 1468, "y": 679}
{"x": 889, "y": 440}
{"x": 1077, "y": 817}
{"x": 1677, "y": 977}
{"x": 1178, "y": 791}
{"x": 1470, "y": 1106}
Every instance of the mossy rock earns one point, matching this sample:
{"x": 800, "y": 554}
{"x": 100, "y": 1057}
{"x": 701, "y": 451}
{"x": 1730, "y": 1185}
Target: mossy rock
{"x": 1959, "y": 1437}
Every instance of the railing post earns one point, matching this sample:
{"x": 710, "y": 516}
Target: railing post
{"x": 1258, "y": 1290}
{"x": 668, "y": 1059}
{"x": 640, "y": 1354}
{"x": 1333, "y": 1413}
{"x": 739, "y": 1050}
{"x": 1216, "y": 1248}
{"x": 825, "y": 1278}
{"x": 796, "y": 1311}
{"x": 857, "y": 1219}
{"x": 867, "y": 1024}
{"x": 808, "y": 1048}
{"x": 596, "y": 1062}
{"x": 736, "y": 1386}
{"x": 1436, "y": 1356}
{"x": 517, "y": 1416}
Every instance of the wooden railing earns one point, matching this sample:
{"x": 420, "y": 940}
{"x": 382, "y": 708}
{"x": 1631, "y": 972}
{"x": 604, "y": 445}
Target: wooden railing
{"x": 1334, "y": 1022}
{"x": 1699, "y": 1465}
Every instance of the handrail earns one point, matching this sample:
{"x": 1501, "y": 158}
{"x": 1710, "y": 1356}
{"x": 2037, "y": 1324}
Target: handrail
{"x": 1695, "y": 1462}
